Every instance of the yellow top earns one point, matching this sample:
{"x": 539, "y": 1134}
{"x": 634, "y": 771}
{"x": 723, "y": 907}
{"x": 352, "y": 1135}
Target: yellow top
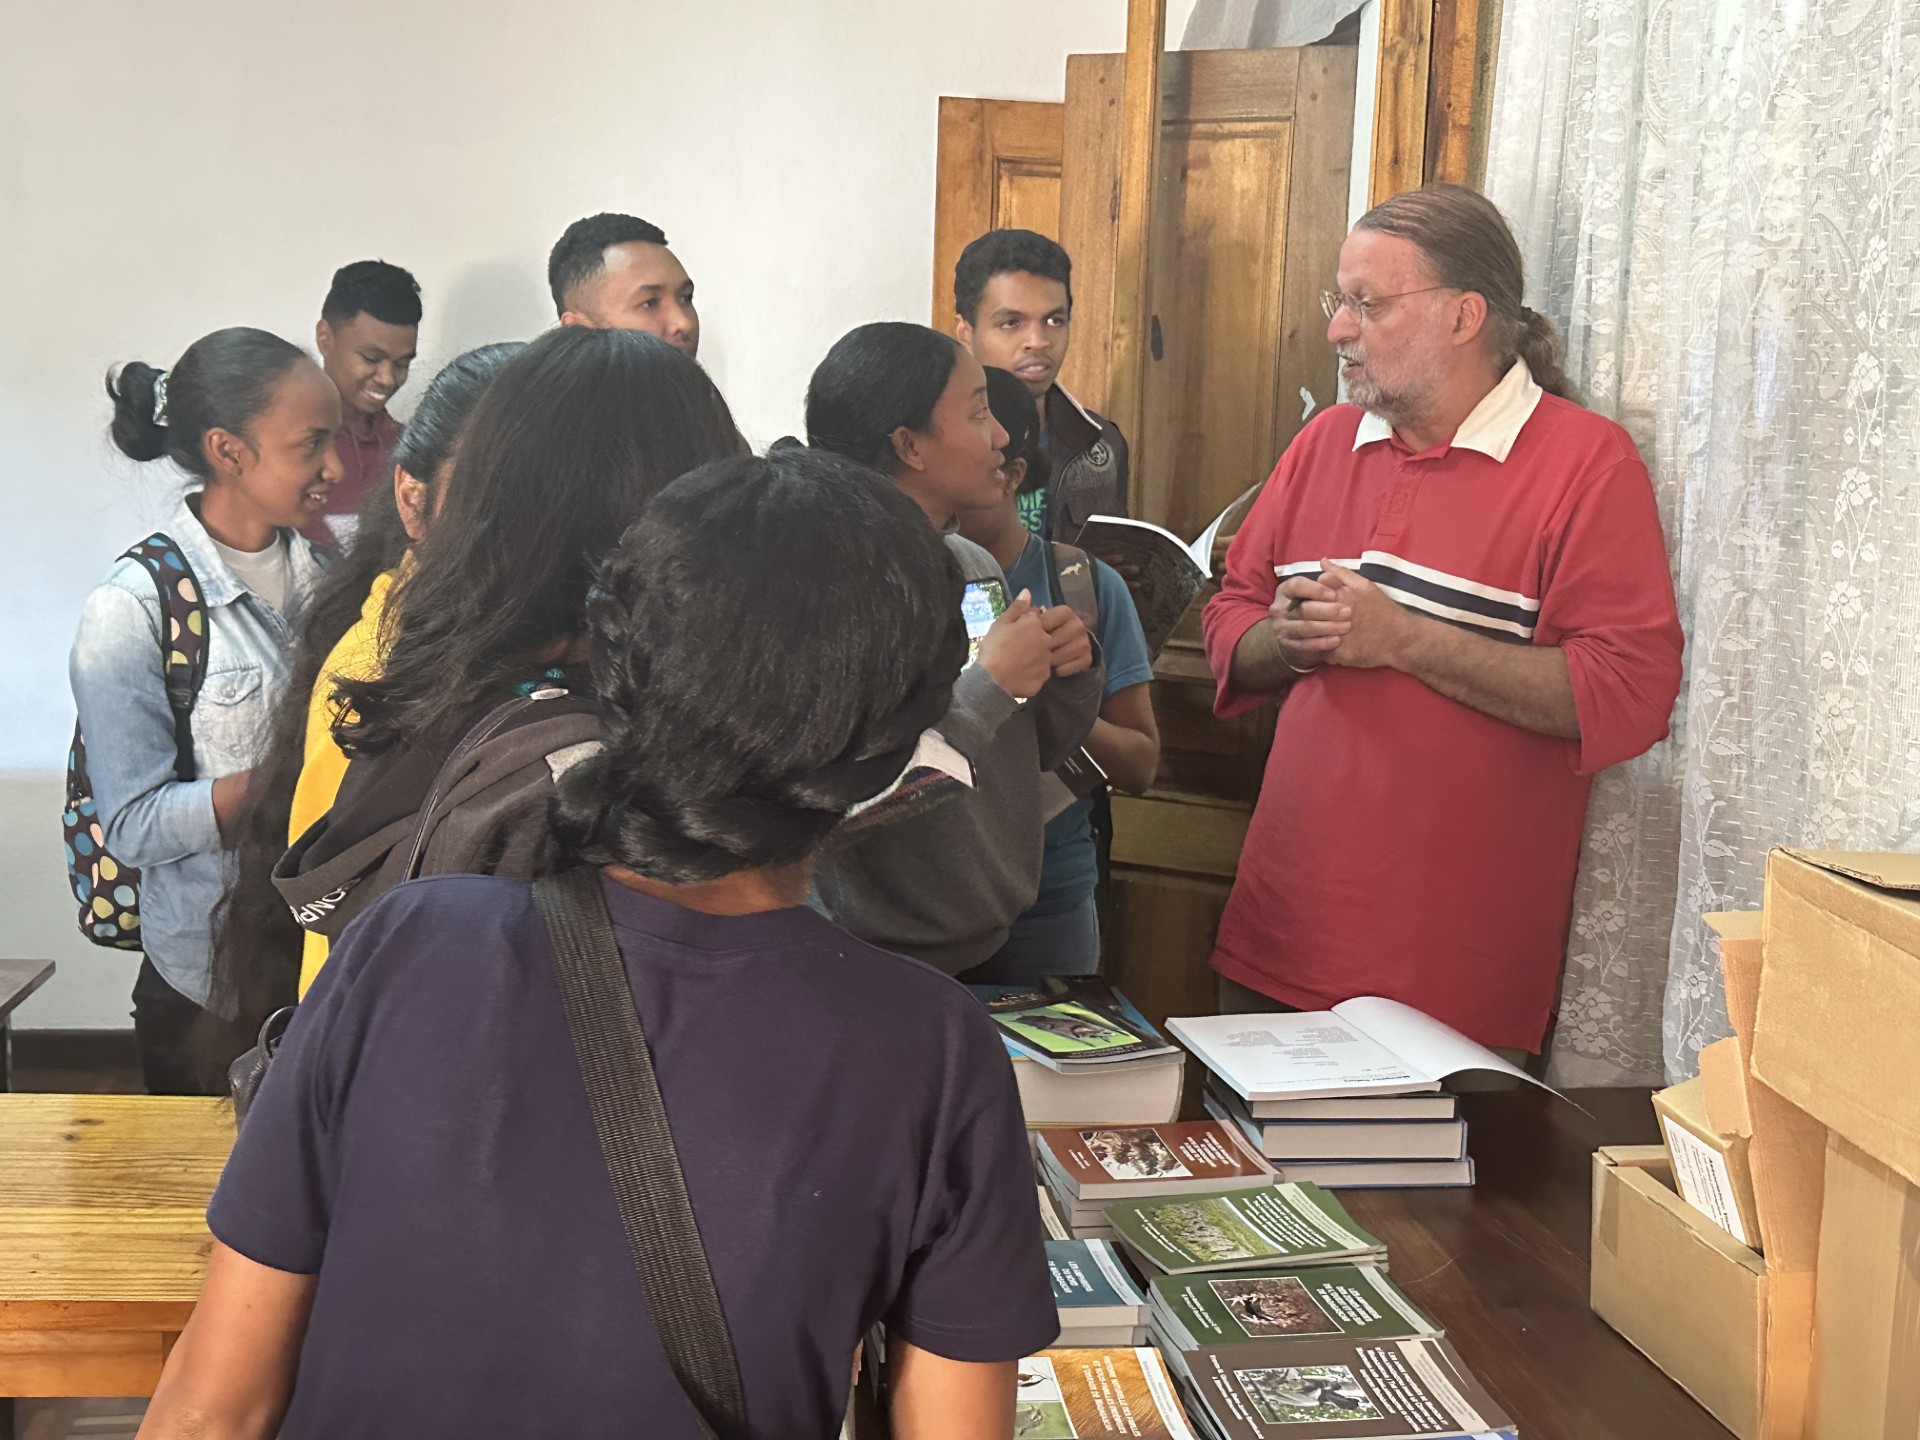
{"x": 356, "y": 657}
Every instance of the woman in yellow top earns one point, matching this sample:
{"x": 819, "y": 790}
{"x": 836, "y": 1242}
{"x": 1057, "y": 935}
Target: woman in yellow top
{"x": 261, "y": 959}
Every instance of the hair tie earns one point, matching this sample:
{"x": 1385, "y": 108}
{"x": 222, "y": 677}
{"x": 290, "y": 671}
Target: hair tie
{"x": 1527, "y": 315}
{"x": 160, "y": 398}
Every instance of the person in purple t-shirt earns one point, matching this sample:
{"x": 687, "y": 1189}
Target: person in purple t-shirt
{"x": 368, "y": 333}
{"x": 416, "y": 1235}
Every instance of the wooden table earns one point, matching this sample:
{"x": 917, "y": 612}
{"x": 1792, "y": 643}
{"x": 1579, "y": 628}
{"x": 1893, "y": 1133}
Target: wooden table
{"x": 1504, "y": 1267}
{"x": 103, "y": 1245}
{"x": 18, "y": 980}
{"x": 103, "y": 1236}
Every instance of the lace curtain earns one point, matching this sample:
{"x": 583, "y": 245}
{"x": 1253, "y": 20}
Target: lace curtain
{"x": 1719, "y": 204}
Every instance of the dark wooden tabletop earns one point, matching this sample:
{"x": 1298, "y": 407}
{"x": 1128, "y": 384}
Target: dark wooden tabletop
{"x": 18, "y": 980}
{"x": 1503, "y": 1266}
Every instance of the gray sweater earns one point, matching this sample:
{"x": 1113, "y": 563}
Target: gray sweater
{"x": 944, "y": 885}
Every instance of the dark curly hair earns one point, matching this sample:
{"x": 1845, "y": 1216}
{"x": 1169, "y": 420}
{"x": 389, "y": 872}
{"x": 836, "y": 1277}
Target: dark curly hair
{"x": 769, "y": 641}
{"x": 372, "y": 287}
{"x": 580, "y": 252}
{"x": 1004, "y": 252}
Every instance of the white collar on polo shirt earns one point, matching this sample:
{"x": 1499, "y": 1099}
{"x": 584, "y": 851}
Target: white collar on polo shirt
{"x": 1492, "y": 427}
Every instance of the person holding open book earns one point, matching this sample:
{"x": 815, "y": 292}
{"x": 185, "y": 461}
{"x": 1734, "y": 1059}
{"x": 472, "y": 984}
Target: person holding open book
{"x": 1458, "y": 587}
{"x": 411, "y": 1241}
{"x": 1013, "y": 309}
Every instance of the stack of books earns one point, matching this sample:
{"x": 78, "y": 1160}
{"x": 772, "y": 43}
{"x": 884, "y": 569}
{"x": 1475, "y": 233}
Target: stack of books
{"x": 1346, "y": 1097}
{"x": 1275, "y": 1317}
{"x": 1100, "y": 1305}
{"x": 1083, "y": 1055}
{"x": 1085, "y": 1170}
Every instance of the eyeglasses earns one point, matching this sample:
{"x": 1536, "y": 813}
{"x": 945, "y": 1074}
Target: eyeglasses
{"x": 1363, "y": 310}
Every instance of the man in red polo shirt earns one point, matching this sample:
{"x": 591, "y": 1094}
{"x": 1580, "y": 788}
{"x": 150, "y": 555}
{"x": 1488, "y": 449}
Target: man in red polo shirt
{"x": 1458, "y": 587}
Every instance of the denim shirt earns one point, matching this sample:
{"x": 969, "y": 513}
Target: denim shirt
{"x": 163, "y": 825}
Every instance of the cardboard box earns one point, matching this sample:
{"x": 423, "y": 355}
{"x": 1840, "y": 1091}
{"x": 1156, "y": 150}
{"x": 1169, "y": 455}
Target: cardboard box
{"x": 1724, "y": 1083}
{"x": 1683, "y": 1291}
{"x": 1867, "y": 1317}
{"x": 1840, "y": 997}
{"x": 1788, "y": 1152}
{"x": 1709, "y": 1167}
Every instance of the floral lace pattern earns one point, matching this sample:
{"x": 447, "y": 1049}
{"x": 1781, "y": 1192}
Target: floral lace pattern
{"x": 1712, "y": 200}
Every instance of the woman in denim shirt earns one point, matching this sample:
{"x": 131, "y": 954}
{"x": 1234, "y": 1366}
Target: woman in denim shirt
{"x": 250, "y": 419}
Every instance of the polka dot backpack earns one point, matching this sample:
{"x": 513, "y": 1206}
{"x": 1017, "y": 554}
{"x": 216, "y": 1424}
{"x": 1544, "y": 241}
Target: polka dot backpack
{"x": 107, "y": 891}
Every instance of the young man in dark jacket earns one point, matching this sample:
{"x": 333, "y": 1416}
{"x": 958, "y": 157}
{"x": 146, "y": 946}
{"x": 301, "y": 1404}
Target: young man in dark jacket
{"x": 1013, "y": 308}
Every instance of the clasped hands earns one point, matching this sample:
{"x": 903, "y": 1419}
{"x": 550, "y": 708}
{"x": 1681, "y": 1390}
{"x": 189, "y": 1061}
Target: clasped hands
{"x": 1028, "y": 645}
{"x": 1339, "y": 618}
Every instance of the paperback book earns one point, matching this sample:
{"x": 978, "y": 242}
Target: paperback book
{"x": 1340, "y": 1390}
{"x": 1091, "y": 1286}
{"x": 1072, "y": 1023}
{"x": 1366, "y": 1046}
{"x": 1163, "y": 571}
{"x": 1115, "y": 1162}
{"x": 1433, "y": 1105}
{"x": 1287, "y": 1224}
{"x": 1308, "y": 1302}
{"x": 1096, "y": 1394}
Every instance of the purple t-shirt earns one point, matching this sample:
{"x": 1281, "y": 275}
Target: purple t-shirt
{"x": 846, "y": 1119}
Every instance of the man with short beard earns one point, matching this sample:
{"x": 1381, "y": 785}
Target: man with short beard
{"x": 1457, "y": 586}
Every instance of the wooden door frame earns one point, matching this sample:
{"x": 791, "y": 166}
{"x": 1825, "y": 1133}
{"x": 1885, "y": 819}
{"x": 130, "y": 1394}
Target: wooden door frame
{"x": 1433, "y": 84}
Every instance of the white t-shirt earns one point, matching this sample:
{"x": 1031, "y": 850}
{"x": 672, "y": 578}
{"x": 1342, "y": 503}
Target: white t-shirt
{"x": 267, "y": 573}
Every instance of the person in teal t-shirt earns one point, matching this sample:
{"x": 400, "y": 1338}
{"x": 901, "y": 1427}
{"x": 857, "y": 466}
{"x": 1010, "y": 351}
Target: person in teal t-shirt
{"x": 1059, "y": 934}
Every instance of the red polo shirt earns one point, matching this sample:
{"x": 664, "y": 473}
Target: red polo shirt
{"x": 1404, "y": 844}
{"x": 366, "y": 459}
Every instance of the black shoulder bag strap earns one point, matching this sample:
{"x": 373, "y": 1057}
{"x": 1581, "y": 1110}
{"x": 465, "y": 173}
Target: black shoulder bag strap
{"x": 631, "y": 1119}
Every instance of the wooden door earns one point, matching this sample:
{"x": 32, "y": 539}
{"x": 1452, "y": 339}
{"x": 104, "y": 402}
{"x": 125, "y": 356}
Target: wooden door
{"x": 999, "y": 168}
{"x": 1249, "y": 216}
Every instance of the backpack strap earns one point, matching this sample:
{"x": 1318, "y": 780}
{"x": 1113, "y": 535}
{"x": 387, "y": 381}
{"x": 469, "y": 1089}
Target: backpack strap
{"x": 610, "y": 1042}
{"x": 183, "y": 639}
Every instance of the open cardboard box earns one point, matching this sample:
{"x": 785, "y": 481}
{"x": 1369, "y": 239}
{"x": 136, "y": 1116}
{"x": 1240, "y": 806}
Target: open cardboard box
{"x": 1696, "y": 1302}
{"x": 1840, "y": 997}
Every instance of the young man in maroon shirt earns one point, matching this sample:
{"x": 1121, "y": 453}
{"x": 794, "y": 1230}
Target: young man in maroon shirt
{"x": 1458, "y": 587}
{"x": 368, "y": 335}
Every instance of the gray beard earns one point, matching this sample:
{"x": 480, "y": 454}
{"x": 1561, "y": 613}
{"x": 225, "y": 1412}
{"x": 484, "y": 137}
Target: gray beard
{"x": 1396, "y": 407}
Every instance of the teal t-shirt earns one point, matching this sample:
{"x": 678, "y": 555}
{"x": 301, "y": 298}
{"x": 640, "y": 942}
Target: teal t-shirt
{"x": 1069, "y": 867}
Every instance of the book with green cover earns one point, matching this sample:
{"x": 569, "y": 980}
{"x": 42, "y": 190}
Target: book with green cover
{"x": 1091, "y": 1286}
{"x": 1290, "y": 1224}
{"x": 1300, "y": 1302}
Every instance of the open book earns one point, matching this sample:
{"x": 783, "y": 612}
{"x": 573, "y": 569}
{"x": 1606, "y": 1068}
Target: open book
{"x": 1164, "y": 572}
{"x": 1365, "y": 1046}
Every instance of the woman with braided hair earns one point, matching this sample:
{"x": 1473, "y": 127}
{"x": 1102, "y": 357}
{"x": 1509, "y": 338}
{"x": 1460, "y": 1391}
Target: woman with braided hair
{"x": 408, "y": 1244}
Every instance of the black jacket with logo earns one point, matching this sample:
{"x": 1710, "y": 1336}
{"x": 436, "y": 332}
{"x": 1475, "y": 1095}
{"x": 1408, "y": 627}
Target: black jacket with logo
{"x": 1089, "y": 456}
